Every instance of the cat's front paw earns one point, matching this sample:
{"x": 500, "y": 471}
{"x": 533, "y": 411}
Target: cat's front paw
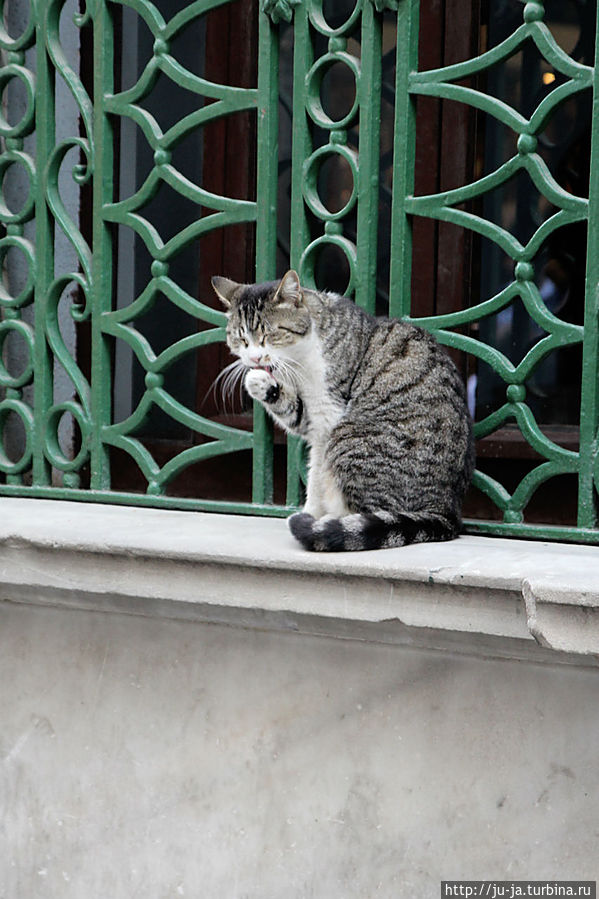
{"x": 261, "y": 386}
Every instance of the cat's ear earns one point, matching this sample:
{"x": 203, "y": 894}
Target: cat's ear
{"x": 224, "y": 289}
{"x": 289, "y": 290}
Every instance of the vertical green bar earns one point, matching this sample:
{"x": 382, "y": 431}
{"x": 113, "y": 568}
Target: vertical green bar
{"x": 589, "y": 404}
{"x": 267, "y": 181}
{"x": 44, "y": 250}
{"x": 369, "y": 158}
{"x": 101, "y": 380}
{"x": 404, "y": 149}
{"x": 299, "y": 238}
{"x": 301, "y": 146}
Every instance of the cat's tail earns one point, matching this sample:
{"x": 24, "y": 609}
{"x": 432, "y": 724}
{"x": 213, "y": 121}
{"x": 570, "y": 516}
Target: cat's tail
{"x": 371, "y": 530}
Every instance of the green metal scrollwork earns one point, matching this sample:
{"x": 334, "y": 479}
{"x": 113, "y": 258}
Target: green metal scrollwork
{"x": 445, "y": 207}
{"x": 279, "y": 10}
{"x": 16, "y": 403}
{"x": 120, "y": 324}
{"x": 362, "y": 23}
{"x": 44, "y": 345}
{"x": 382, "y": 5}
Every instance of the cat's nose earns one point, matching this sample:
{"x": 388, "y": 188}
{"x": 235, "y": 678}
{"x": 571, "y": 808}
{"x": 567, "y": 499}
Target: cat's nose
{"x": 255, "y": 358}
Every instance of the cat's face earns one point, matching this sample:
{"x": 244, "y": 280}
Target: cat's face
{"x": 267, "y": 323}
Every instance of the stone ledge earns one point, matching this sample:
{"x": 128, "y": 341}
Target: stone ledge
{"x": 479, "y": 595}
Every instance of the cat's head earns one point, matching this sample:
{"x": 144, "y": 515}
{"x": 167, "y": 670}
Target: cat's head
{"x": 267, "y": 323}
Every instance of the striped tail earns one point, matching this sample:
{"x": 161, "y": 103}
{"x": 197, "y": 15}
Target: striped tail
{"x": 371, "y": 530}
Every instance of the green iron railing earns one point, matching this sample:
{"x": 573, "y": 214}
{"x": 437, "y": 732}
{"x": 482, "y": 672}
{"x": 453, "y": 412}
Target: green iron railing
{"x": 556, "y": 459}
{"x": 30, "y": 316}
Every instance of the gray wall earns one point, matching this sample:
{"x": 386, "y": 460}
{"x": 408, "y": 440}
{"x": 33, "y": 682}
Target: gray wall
{"x": 155, "y": 758}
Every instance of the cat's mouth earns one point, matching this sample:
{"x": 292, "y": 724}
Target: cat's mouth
{"x": 267, "y": 368}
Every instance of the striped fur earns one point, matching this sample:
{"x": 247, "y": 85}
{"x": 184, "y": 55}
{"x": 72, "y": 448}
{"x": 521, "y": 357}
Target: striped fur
{"x": 380, "y": 404}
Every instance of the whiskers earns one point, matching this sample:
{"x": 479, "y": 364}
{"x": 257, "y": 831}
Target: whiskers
{"x": 289, "y": 371}
{"x": 229, "y": 384}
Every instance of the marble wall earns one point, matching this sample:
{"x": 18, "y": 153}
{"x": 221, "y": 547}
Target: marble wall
{"x": 152, "y": 758}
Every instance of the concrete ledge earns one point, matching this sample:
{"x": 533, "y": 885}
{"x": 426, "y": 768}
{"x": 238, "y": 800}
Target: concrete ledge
{"x": 478, "y": 595}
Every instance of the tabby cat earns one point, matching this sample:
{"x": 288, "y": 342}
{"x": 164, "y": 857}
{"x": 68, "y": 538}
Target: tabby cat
{"x": 380, "y": 404}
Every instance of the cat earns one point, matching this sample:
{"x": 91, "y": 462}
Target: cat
{"x": 380, "y": 404}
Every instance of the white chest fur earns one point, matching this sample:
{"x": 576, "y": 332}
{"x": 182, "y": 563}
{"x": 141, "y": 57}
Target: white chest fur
{"x": 323, "y": 411}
